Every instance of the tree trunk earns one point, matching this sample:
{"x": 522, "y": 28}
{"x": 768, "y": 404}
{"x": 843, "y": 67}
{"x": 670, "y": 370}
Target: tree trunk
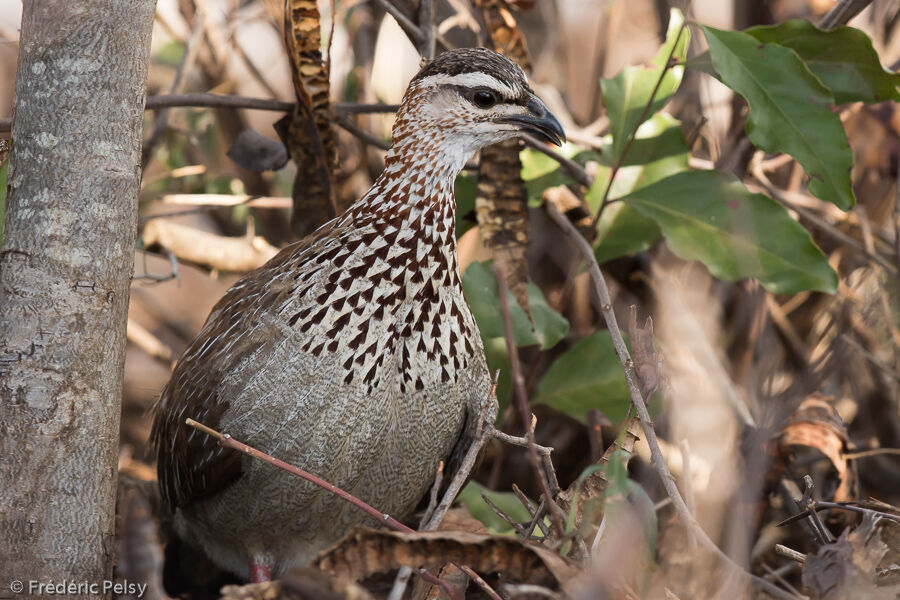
{"x": 65, "y": 267}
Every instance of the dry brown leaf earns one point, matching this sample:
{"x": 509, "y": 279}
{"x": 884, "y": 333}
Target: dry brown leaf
{"x": 364, "y": 552}
{"x": 309, "y": 136}
{"x": 303, "y": 583}
{"x": 501, "y": 203}
{"x": 848, "y": 567}
{"x": 816, "y": 426}
{"x": 647, "y": 359}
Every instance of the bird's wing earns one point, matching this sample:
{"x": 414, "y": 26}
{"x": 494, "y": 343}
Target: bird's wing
{"x": 481, "y": 411}
{"x": 190, "y": 464}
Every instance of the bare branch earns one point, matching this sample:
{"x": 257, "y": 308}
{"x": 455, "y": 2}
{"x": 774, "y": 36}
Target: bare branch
{"x": 574, "y": 169}
{"x": 556, "y": 514}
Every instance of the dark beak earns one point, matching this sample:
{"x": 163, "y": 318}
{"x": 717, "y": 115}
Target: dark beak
{"x": 539, "y": 121}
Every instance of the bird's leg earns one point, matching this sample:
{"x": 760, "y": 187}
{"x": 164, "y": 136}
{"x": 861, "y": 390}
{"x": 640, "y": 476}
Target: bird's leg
{"x": 260, "y": 570}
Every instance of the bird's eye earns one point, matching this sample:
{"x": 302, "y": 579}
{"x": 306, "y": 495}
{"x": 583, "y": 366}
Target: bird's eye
{"x": 483, "y": 99}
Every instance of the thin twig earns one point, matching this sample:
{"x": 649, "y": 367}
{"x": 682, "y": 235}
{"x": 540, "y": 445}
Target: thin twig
{"x": 897, "y": 222}
{"x": 815, "y": 220}
{"x": 543, "y": 451}
{"x": 411, "y": 29}
{"x": 790, "y": 553}
{"x": 226, "y": 441}
{"x": 842, "y": 12}
{"x": 185, "y": 66}
{"x": 533, "y": 510}
{"x": 481, "y": 437}
{"x": 556, "y": 514}
{"x": 427, "y": 27}
{"x": 871, "y": 357}
{"x": 205, "y": 99}
{"x": 172, "y": 274}
{"x": 777, "y": 576}
{"x": 573, "y": 168}
{"x": 433, "y": 499}
{"x": 633, "y": 134}
{"x": 365, "y": 136}
{"x": 640, "y": 406}
{"x": 517, "y": 526}
{"x": 872, "y": 452}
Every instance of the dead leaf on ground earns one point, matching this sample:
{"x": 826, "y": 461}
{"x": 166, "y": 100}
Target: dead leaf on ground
{"x": 850, "y": 566}
{"x": 365, "y": 552}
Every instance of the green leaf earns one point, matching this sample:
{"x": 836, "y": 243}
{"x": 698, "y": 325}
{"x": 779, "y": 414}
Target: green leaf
{"x": 497, "y": 355}
{"x": 622, "y": 231}
{"x": 540, "y": 171}
{"x": 483, "y": 296}
{"x": 790, "y": 109}
{"x": 625, "y": 505}
{"x": 627, "y": 94}
{"x": 711, "y": 217}
{"x": 536, "y": 164}
{"x": 588, "y": 375}
{"x": 465, "y": 190}
{"x": 659, "y": 150}
{"x": 471, "y": 498}
{"x": 842, "y": 58}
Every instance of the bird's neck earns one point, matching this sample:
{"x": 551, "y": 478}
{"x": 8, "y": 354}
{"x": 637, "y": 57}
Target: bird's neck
{"x": 417, "y": 183}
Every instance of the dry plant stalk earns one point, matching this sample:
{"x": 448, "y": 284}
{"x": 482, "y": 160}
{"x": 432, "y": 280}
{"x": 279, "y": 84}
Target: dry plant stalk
{"x": 501, "y": 205}
{"x": 310, "y": 138}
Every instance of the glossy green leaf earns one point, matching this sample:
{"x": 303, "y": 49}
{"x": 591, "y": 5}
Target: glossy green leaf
{"x": 471, "y": 497}
{"x": 540, "y": 171}
{"x": 659, "y": 150}
{"x": 711, "y": 217}
{"x": 790, "y": 109}
{"x": 843, "y": 58}
{"x": 588, "y": 375}
{"x": 536, "y": 164}
{"x": 483, "y": 296}
{"x": 622, "y": 231}
{"x": 627, "y": 94}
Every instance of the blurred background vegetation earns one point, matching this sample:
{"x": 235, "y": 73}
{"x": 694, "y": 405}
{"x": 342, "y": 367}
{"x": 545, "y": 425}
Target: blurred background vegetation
{"x": 765, "y": 373}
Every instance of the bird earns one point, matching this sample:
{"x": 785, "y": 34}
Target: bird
{"x": 352, "y": 353}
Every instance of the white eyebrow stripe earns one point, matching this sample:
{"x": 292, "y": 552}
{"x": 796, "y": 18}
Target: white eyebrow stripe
{"x": 472, "y": 80}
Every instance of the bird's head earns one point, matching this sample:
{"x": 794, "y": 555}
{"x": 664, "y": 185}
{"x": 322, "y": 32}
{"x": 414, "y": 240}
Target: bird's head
{"x": 469, "y": 98}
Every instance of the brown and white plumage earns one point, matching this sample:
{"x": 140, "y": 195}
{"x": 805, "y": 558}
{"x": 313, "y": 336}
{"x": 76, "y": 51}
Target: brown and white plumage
{"x": 352, "y": 353}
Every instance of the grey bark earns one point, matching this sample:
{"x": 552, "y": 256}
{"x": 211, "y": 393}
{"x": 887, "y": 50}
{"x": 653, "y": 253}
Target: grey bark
{"x": 65, "y": 267}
